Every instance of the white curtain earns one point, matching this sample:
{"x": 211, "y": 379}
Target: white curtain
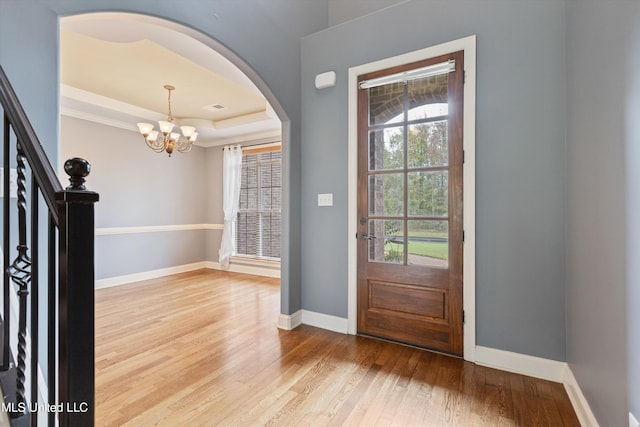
{"x": 231, "y": 171}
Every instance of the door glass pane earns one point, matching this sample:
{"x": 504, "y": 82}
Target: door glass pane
{"x": 428, "y": 243}
{"x": 386, "y": 194}
{"x": 386, "y": 149}
{"x": 428, "y": 144}
{"x": 388, "y": 244}
{"x": 428, "y": 111}
{"x": 428, "y": 193}
{"x": 425, "y": 94}
{"x": 386, "y": 104}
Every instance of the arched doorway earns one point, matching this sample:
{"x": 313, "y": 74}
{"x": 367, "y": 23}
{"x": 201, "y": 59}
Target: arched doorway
{"x": 151, "y": 34}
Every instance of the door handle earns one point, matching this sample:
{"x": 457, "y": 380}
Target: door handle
{"x": 365, "y": 236}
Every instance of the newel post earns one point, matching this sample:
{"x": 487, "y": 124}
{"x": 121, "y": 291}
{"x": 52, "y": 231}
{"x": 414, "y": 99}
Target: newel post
{"x": 76, "y": 388}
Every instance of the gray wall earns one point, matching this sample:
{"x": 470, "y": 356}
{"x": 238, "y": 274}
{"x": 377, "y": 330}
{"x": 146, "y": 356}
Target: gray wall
{"x": 137, "y": 188}
{"x": 520, "y": 180}
{"x": 267, "y": 39}
{"x": 345, "y": 10}
{"x": 603, "y": 133}
{"x": 123, "y": 254}
{"x": 632, "y": 163}
{"x": 140, "y": 188}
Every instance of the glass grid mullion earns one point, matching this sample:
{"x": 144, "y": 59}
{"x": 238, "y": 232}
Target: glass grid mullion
{"x": 405, "y": 137}
{"x": 427, "y": 120}
{"x": 445, "y": 167}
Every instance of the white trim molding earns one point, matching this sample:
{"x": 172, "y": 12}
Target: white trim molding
{"x": 96, "y": 118}
{"x": 146, "y": 275}
{"x": 325, "y": 321}
{"x": 84, "y": 96}
{"x": 545, "y": 369}
{"x": 110, "y": 112}
{"x": 288, "y": 322}
{"x": 523, "y": 364}
{"x": 468, "y": 45}
{"x": 266, "y": 137}
{"x": 161, "y": 272}
{"x": 319, "y": 320}
{"x": 247, "y": 268}
{"x": 579, "y": 402}
{"x": 156, "y": 229}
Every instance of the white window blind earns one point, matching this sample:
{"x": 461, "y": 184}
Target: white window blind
{"x": 258, "y": 224}
{"x": 405, "y": 76}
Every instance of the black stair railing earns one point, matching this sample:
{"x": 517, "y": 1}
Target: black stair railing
{"x": 65, "y": 275}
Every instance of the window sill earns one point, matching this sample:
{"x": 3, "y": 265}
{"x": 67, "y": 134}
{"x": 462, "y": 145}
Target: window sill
{"x": 263, "y": 267}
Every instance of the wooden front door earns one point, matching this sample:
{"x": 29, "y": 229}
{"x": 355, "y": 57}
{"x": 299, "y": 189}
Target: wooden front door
{"x": 410, "y": 236}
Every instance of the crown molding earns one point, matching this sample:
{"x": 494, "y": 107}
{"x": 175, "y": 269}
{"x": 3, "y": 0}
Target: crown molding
{"x": 123, "y": 108}
{"x": 91, "y": 98}
{"x": 265, "y": 137}
{"x": 97, "y": 118}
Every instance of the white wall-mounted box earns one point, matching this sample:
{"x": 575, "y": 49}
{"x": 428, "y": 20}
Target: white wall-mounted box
{"x": 325, "y": 199}
{"x": 324, "y": 80}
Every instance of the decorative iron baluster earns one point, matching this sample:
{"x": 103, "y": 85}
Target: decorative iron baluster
{"x": 6, "y": 283}
{"x": 20, "y": 273}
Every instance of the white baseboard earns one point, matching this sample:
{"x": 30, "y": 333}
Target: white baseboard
{"x": 146, "y": 275}
{"x": 545, "y": 369}
{"x": 153, "y": 274}
{"x": 311, "y": 318}
{"x": 579, "y": 402}
{"x": 290, "y": 321}
{"x": 325, "y": 321}
{"x": 532, "y": 366}
{"x": 246, "y": 269}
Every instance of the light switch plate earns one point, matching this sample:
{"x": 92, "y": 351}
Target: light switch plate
{"x": 325, "y": 199}
{"x": 633, "y": 422}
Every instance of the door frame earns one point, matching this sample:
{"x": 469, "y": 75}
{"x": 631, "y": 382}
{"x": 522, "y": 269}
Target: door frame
{"x": 468, "y": 45}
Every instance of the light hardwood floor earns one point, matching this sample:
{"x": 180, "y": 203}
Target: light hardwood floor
{"x": 203, "y": 348}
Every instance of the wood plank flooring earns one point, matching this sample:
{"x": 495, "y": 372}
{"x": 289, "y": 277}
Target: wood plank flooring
{"x": 203, "y": 349}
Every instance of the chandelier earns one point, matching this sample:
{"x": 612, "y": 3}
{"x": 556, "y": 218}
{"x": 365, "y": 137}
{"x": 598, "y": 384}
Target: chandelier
{"x": 165, "y": 140}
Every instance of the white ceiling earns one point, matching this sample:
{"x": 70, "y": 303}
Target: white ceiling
{"x": 114, "y": 67}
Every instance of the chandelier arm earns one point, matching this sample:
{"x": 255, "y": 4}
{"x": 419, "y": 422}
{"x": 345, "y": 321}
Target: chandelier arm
{"x": 158, "y": 145}
{"x": 184, "y": 147}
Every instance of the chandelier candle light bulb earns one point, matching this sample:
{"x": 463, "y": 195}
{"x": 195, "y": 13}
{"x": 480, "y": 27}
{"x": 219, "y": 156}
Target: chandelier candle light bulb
{"x": 169, "y": 140}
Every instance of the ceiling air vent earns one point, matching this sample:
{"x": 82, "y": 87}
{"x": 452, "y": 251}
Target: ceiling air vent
{"x": 214, "y": 107}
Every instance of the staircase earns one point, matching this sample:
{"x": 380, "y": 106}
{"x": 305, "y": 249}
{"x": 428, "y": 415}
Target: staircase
{"x": 47, "y": 311}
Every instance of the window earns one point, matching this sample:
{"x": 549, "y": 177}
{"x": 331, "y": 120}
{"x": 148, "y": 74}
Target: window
{"x": 258, "y": 224}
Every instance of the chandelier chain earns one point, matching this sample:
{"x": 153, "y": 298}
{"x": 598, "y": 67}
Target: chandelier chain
{"x": 170, "y": 117}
